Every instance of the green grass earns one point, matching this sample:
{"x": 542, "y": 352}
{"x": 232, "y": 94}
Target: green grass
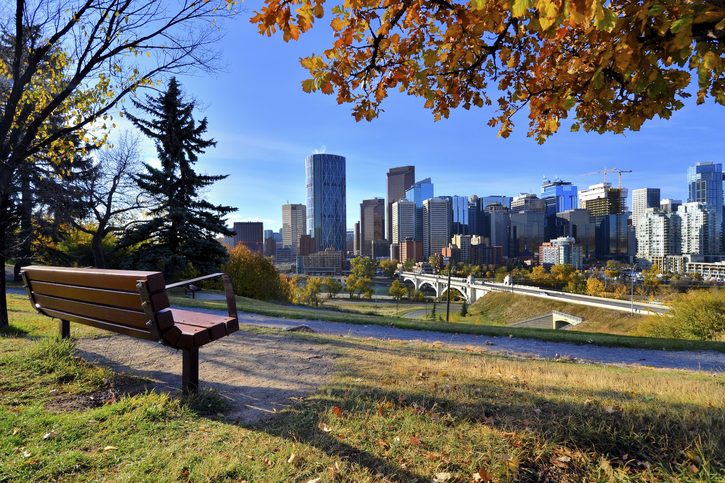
{"x": 393, "y": 412}
{"x": 577, "y": 337}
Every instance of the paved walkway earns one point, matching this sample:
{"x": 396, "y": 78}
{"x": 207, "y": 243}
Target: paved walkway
{"x": 708, "y": 361}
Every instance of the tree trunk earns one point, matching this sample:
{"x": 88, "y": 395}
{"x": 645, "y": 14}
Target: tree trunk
{"x": 5, "y": 175}
{"x": 99, "y": 257}
{"x": 24, "y": 256}
{"x": 3, "y": 302}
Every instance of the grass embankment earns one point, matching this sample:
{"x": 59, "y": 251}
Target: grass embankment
{"x": 394, "y": 412}
{"x": 385, "y": 308}
{"x": 500, "y": 308}
{"x": 578, "y": 337}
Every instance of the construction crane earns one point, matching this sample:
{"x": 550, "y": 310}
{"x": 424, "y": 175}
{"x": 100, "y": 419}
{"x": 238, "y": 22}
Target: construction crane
{"x": 606, "y": 171}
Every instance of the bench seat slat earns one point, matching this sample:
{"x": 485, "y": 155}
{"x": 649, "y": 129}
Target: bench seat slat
{"x": 124, "y": 280}
{"x": 111, "y": 298}
{"x": 100, "y": 324}
{"x": 99, "y": 312}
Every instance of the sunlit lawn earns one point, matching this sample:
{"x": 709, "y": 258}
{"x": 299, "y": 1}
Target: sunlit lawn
{"x": 396, "y": 412}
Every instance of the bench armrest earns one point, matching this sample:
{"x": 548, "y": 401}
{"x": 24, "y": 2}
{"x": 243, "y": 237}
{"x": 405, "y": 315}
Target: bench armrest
{"x": 228, "y": 290}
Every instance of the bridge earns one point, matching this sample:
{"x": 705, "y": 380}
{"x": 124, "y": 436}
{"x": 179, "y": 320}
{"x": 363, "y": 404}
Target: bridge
{"x": 551, "y": 320}
{"x": 471, "y": 289}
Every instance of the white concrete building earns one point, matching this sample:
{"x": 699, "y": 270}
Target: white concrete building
{"x": 403, "y": 221}
{"x": 657, "y": 234}
{"x": 597, "y": 191}
{"x": 562, "y": 250}
{"x": 698, "y": 229}
{"x": 436, "y": 225}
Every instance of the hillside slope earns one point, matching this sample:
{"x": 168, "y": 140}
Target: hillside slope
{"x": 500, "y": 308}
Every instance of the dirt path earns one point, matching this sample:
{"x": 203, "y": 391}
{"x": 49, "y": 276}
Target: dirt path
{"x": 257, "y": 373}
{"x": 708, "y": 361}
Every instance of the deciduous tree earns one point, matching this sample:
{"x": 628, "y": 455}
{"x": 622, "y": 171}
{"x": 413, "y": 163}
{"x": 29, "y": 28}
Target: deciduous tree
{"x": 610, "y": 65}
{"x": 79, "y": 59}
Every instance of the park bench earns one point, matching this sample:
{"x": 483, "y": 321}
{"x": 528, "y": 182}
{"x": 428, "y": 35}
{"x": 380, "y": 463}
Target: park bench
{"x": 132, "y": 303}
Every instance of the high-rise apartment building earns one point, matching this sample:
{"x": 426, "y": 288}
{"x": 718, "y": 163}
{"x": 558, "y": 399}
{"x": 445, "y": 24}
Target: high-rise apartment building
{"x": 294, "y": 225}
{"x": 698, "y": 229}
{"x": 250, "y": 234}
{"x": 642, "y": 200}
{"x": 705, "y": 185}
{"x": 326, "y": 201}
{"x": 657, "y": 233}
{"x": 399, "y": 180}
{"x": 372, "y": 224}
{"x": 356, "y": 240}
{"x": 436, "y": 225}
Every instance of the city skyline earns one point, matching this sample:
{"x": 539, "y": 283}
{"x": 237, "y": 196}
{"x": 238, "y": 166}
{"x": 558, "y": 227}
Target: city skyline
{"x": 264, "y": 122}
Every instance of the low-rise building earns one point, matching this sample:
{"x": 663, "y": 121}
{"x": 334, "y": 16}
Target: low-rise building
{"x": 562, "y": 250}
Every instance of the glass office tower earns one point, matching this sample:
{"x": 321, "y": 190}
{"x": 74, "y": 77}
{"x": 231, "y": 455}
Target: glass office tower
{"x": 326, "y": 212}
{"x": 705, "y": 185}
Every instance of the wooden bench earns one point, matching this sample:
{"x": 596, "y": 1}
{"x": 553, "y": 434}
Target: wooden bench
{"x": 133, "y": 303}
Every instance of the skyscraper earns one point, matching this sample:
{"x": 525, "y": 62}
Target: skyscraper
{"x": 558, "y": 195}
{"x": 705, "y": 185}
{"x": 399, "y": 180}
{"x": 326, "y": 210}
{"x": 372, "y": 224}
{"x": 698, "y": 229}
{"x": 657, "y": 233}
{"x": 294, "y": 225}
{"x": 420, "y": 191}
{"x": 459, "y": 214}
{"x": 604, "y": 190}
{"x": 436, "y": 225}
{"x": 250, "y": 234}
{"x": 642, "y": 199}
{"x": 500, "y": 227}
{"x": 404, "y": 216}
{"x": 527, "y": 202}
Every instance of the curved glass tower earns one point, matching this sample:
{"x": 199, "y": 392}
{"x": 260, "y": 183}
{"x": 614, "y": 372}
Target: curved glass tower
{"x": 326, "y": 213}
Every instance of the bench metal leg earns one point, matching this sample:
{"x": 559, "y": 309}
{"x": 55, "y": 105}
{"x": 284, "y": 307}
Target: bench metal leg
{"x": 190, "y": 371}
{"x": 64, "y": 326}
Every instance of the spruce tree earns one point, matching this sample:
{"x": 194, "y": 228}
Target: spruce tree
{"x": 180, "y": 236}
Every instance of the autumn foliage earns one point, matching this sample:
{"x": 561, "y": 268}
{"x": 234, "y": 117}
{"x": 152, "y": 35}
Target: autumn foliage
{"x": 609, "y": 65}
{"x": 254, "y": 275}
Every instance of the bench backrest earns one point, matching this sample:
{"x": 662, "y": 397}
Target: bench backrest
{"x": 108, "y": 299}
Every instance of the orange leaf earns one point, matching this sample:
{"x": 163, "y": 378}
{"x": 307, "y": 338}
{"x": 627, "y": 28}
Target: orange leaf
{"x": 337, "y": 411}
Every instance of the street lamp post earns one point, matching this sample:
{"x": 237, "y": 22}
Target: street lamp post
{"x": 631, "y": 290}
{"x": 448, "y": 299}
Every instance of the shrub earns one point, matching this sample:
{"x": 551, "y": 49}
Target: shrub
{"x": 253, "y": 275}
{"x": 698, "y": 314}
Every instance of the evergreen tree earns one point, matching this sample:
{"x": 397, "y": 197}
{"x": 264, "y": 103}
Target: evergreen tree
{"x": 180, "y": 237}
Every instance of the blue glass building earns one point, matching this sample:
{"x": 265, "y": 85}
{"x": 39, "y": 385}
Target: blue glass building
{"x": 559, "y": 196}
{"x": 459, "y": 214}
{"x": 705, "y": 185}
{"x": 419, "y": 192}
{"x": 326, "y": 213}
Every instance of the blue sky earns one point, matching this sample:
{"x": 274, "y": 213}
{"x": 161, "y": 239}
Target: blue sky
{"x": 265, "y": 126}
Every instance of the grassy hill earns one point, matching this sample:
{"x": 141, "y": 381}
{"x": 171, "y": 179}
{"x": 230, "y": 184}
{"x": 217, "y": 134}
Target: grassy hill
{"x": 392, "y": 412}
{"x": 500, "y": 308}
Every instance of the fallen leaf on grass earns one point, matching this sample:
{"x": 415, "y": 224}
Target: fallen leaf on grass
{"x": 483, "y": 476}
{"x": 337, "y": 411}
{"x": 610, "y": 410}
{"x": 441, "y": 477}
{"x": 50, "y": 435}
{"x": 110, "y": 448}
{"x": 27, "y": 454}
{"x": 324, "y": 428}
{"x": 414, "y": 440}
{"x": 694, "y": 469}
{"x": 314, "y": 480}
{"x": 16, "y": 431}
{"x": 292, "y": 459}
